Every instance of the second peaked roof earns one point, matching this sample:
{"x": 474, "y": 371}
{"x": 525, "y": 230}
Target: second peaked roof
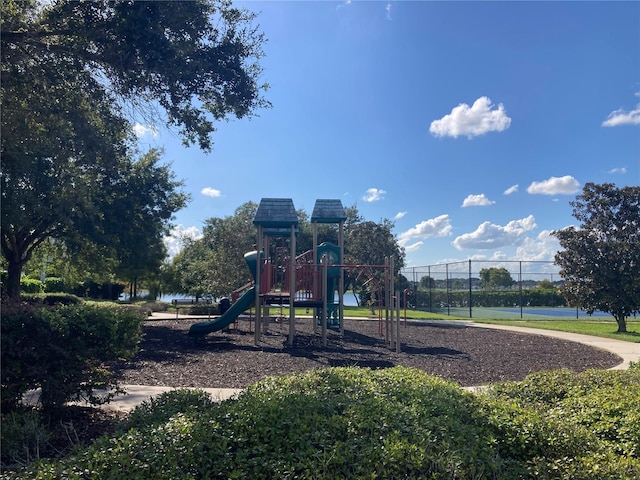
{"x": 328, "y": 211}
{"x": 276, "y": 213}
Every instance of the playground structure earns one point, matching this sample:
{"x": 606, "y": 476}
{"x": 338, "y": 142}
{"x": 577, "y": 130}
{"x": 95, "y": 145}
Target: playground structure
{"x": 311, "y": 280}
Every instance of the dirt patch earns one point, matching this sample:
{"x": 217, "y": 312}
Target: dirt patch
{"x": 464, "y": 354}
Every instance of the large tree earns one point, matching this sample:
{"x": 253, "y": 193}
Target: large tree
{"x": 75, "y": 75}
{"x": 197, "y": 60}
{"x": 368, "y": 243}
{"x": 495, "y": 278}
{"x": 214, "y": 264}
{"x": 600, "y": 263}
{"x": 139, "y": 217}
{"x": 59, "y": 158}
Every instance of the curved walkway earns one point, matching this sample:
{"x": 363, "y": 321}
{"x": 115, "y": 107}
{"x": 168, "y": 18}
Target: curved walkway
{"x": 629, "y": 352}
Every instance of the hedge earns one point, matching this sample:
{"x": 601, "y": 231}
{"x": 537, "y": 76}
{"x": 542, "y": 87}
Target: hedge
{"x": 390, "y": 423}
{"x": 63, "y": 350}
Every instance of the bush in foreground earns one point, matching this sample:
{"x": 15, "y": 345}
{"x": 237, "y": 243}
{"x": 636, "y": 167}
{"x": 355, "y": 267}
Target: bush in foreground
{"x": 63, "y": 351}
{"x": 605, "y": 405}
{"x": 359, "y": 423}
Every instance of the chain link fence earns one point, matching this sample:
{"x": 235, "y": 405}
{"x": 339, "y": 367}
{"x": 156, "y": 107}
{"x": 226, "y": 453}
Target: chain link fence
{"x": 489, "y": 289}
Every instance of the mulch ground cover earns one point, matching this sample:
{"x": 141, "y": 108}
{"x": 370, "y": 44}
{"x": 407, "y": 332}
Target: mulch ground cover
{"x": 457, "y": 352}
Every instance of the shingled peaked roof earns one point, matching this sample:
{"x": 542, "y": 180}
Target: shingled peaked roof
{"x": 276, "y": 213}
{"x": 328, "y": 211}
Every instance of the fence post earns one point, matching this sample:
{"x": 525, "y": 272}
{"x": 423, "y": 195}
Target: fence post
{"x": 430, "y": 290}
{"x": 416, "y": 287}
{"x": 520, "y": 281}
{"x": 448, "y": 290}
{"x": 470, "y": 294}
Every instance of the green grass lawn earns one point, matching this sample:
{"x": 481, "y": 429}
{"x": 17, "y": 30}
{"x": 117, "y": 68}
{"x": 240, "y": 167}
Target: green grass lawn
{"x": 364, "y": 312}
{"x": 599, "y": 328}
{"x": 602, "y": 328}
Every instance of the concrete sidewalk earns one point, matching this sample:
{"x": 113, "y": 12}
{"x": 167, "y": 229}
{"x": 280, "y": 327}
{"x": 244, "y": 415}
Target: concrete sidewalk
{"x": 627, "y": 351}
{"x": 136, "y": 394}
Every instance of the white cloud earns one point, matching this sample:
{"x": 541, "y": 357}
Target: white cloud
{"x": 497, "y": 256}
{"x": 471, "y": 121}
{"x": 413, "y": 247}
{"x": 211, "y": 192}
{"x": 510, "y": 190}
{"x": 555, "y": 186}
{"x": 388, "y": 10}
{"x": 143, "y": 130}
{"x": 179, "y": 235}
{"x": 374, "y": 194}
{"x": 620, "y": 117}
{"x": 434, "y": 227}
{"x": 399, "y": 215}
{"x": 542, "y": 248}
{"x": 620, "y": 170}
{"x": 477, "y": 201}
{"x": 490, "y": 236}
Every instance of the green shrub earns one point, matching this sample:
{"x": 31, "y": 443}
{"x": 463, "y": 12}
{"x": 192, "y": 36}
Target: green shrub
{"x": 99, "y": 291}
{"x": 24, "y": 334}
{"x": 600, "y": 407}
{"x": 336, "y": 423}
{"x": 612, "y": 413}
{"x": 158, "y": 410}
{"x": 202, "y": 309}
{"x": 54, "y": 284}
{"x": 156, "y": 306}
{"x": 31, "y": 285}
{"x": 489, "y": 298}
{"x": 63, "y": 351}
{"x": 23, "y": 436}
{"x": 544, "y": 390}
{"x": 531, "y": 437}
{"x": 136, "y": 308}
{"x": 50, "y": 299}
{"x": 352, "y": 423}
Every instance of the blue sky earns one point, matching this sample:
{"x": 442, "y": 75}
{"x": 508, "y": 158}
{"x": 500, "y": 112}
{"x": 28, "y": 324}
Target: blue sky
{"x": 472, "y": 125}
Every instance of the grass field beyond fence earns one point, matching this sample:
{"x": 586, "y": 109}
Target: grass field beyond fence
{"x": 599, "y": 326}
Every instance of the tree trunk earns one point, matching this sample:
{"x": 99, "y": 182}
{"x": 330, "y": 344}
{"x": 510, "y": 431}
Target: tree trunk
{"x": 14, "y": 272}
{"x": 622, "y": 323}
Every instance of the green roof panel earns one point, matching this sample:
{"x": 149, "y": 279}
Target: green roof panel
{"x": 276, "y": 213}
{"x": 328, "y": 211}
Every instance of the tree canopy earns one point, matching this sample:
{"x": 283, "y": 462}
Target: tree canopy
{"x": 139, "y": 216}
{"x": 495, "y": 278}
{"x": 214, "y": 264}
{"x": 75, "y": 75}
{"x": 196, "y": 62}
{"x": 600, "y": 263}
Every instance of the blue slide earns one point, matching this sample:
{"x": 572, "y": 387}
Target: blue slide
{"x": 240, "y": 305}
